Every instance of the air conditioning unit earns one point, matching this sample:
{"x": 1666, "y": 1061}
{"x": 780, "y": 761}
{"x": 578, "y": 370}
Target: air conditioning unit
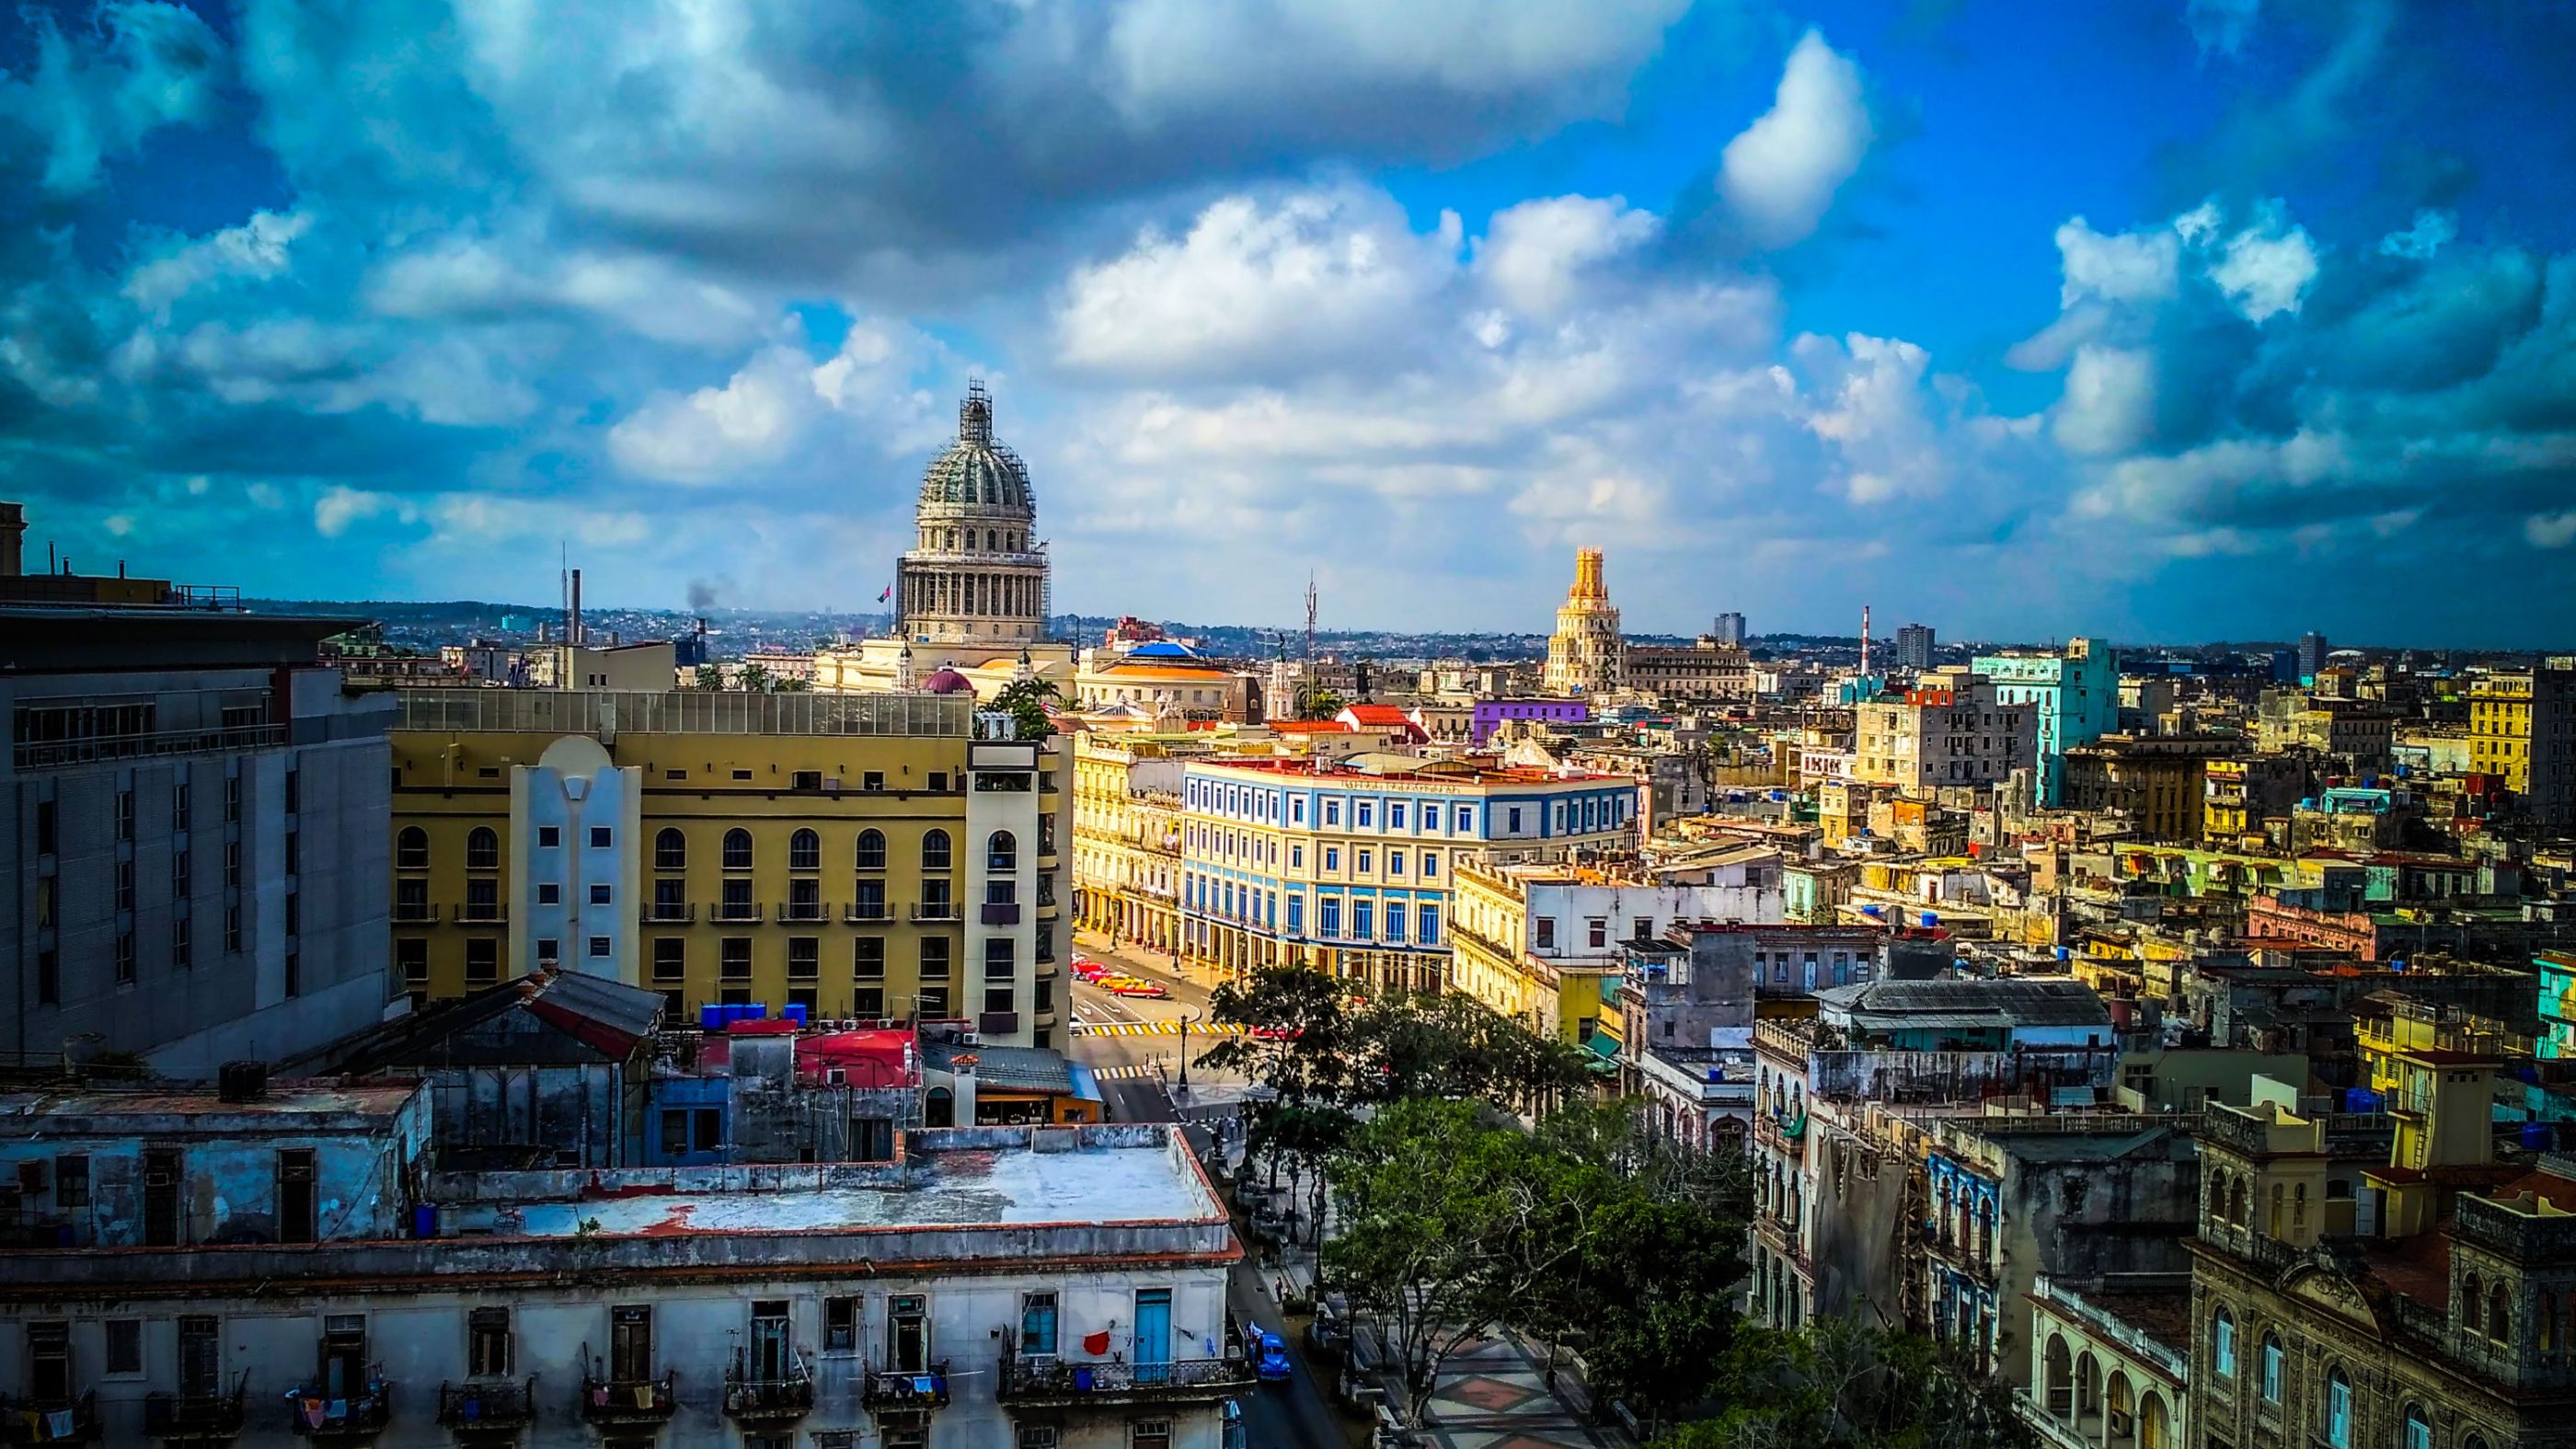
{"x": 837, "y": 1077}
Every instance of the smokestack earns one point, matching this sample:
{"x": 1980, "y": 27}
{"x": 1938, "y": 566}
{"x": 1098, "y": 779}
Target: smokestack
{"x": 1864, "y": 638}
{"x": 13, "y": 533}
{"x": 572, "y": 613}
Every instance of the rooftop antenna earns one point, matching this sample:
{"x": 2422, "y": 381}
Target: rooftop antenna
{"x": 1310, "y": 628}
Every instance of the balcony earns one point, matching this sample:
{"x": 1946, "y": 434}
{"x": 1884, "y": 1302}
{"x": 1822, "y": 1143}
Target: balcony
{"x": 484, "y": 914}
{"x": 1049, "y": 1382}
{"x": 768, "y": 1401}
{"x": 868, "y": 913}
{"x": 888, "y": 1389}
{"x": 636, "y": 1403}
{"x": 194, "y": 1418}
{"x": 44, "y": 1421}
{"x": 807, "y": 912}
{"x": 498, "y": 1409}
{"x": 414, "y": 913}
{"x": 53, "y": 754}
{"x": 315, "y": 1415}
{"x": 1001, "y": 913}
{"x": 746, "y": 912}
{"x": 670, "y": 913}
{"x": 931, "y": 912}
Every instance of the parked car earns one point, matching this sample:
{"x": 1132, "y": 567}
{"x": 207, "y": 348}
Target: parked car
{"x": 1130, "y": 986}
{"x": 1086, "y": 969}
{"x": 1275, "y": 1033}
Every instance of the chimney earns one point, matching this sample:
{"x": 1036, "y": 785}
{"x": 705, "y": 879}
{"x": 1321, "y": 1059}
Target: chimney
{"x": 572, "y": 615}
{"x": 13, "y": 532}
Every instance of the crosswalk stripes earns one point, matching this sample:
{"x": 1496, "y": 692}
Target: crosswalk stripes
{"x": 1155, "y": 1028}
{"x": 1122, "y": 1074}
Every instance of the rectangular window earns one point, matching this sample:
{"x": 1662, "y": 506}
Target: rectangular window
{"x": 601, "y": 895}
{"x": 804, "y": 958}
{"x": 125, "y": 885}
{"x": 869, "y": 1002}
{"x": 934, "y": 958}
{"x": 49, "y": 1362}
{"x": 297, "y": 1196}
{"x": 1543, "y": 933}
{"x": 841, "y": 1320}
{"x": 1596, "y": 932}
{"x": 1395, "y": 921}
{"x": 71, "y": 1181}
{"x": 232, "y": 862}
{"x": 47, "y": 830}
{"x": 1394, "y": 817}
{"x": 1296, "y": 915}
{"x": 1430, "y": 864}
{"x": 1332, "y": 812}
{"x": 482, "y": 962}
{"x": 934, "y": 1003}
{"x": 182, "y": 947}
{"x": 600, "y": 836}
{"x": 735, "y": 962}
{"x": 1332, "y": 857}
{"x": 233, "y": 929}
{"x": 1363, "y": 814}
{"x": 1037, "y": 1324}
{"x": 1466, "y": 819}
{"x": 125, "y": 815}
{"x": 670, "y": 959}
{"x": 1328, "y": 916}
{"x": 1150, "y": 1434}
{"x": 124, "y": 1346}
{"x": 998, "y": 962}
{"x": 549, "y": 836}
{"x": 1296, "y": 809}
{"x": 179, "y": 885}
{"x": 1430, "y": 924}
{"x": 1363, "y": 923}
{"x": 599, "y": 948}
{"x": 999, "y": 999}
{"x": 125, "y": 959}
{"x": 1365, "y": 860}
{"x": 1395, "y": 862}
{"x": 232, "y": 799}
{"x": 487, "y": 1342}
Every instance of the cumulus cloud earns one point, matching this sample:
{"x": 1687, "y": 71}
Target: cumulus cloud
{"x": 1312, "y": 278}
{"x": 1535, "y": 254}
{"x": 2266, "y": 268}
{"x": 1780, "y": 174}
{"x": 2109, "y": 406}
{"x": 2433, "y": 229}
{"x": 254, "y": 251}
{"x": 775, "y": 401}
{"x": 93, "y": 95}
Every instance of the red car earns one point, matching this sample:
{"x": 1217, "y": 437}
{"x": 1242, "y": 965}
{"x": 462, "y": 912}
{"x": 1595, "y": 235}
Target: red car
{"x": 1273, "y": 1033}
{"x": 1086, "y": 969}
{"x": 1130, "y": 986}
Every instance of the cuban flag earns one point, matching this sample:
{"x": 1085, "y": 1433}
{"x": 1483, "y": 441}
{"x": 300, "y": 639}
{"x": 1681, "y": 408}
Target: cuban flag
{"x": 888, "y": 594}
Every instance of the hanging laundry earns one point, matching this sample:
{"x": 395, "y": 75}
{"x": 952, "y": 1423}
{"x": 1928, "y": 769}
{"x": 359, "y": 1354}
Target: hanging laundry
{"x": 1096, "y": 1344}
{"x": 59, "y": 1423}
{"x": 644, "y": 1396}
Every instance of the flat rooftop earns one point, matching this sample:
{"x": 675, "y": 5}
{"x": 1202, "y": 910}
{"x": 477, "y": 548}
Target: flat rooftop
{"x": 953, "y": 1187}
{"x": 322, "y": 1106}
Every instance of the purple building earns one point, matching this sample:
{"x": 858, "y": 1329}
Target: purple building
{"x": 1490, "y": 714}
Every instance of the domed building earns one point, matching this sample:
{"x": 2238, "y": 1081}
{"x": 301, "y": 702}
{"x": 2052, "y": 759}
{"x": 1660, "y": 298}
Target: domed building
{"x": 972, "y": 591}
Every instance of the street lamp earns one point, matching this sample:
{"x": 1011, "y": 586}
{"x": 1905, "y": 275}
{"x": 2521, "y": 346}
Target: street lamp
{"x": 1186, "y": 1018}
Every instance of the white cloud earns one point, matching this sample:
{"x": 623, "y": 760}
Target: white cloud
{"x": 255, "y": 250}
{"x": 1534, "y": 254}
{"x": 336, "y": 508}
{"x": 473, "y": 276}
{"x": 1780, "y": 174}
{"x": 2110, "y": 400}
{"x": 2550, "y": 530}
{"x": 2432, "y": 230}
{"x": 2266, "y": 268}
{"x": 2138, "y": 266}
{"x": 1871, "y": 405}
{"x": 1312, "y": 279}
{"x": 770, "y": 405}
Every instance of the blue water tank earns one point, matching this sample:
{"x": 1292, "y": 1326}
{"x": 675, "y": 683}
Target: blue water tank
{"x": 1873, "y": 910}
{"x": 795, "y": 1012}
{"x": 1931, "y": 919}
{"x": 711, "y": 1017}
{"x": 2539, "y": 1136}
{"x": 424, "y": 1220}
{"x": 2064, "y": 954}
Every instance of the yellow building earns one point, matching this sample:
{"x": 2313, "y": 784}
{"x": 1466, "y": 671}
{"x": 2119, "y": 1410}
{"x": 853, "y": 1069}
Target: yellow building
{"x": 858, "y": 855}
{"x": 1127, "y": 834}
{"x": 1587, "y": 654}
{"x": 2522, "y": 726}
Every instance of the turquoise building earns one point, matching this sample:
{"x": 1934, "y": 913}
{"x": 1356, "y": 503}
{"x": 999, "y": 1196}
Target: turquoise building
{"x": 2075, "y": 694}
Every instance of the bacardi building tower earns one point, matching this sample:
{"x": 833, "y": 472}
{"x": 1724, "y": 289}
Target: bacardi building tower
{"x": 1587, "y": 655}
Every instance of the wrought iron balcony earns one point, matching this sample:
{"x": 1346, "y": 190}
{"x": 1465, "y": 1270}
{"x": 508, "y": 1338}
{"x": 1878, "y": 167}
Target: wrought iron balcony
{"x": 486, "y": 913}
{"x": 314, "y": 1414}
{"x": 863, "y": 913}
{"x": 929, "y": 911}
{"x": 813, "y": 912}
{"x": 1045, "y": 1380}
{"x": 745, "y": 911}
{"x": 670, "y": 913}
{"x": 611, "y": 1402}
{"x": 49, "y": 1421}
{"x": 768, "y": 1401}
{"x": 893, "y": 1389}
{"x": 194, "y": 1418}
{"x": 414, "y": 913}
{"x": 494, "y": 1407}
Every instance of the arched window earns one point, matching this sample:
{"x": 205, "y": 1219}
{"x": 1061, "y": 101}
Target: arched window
{"x": 411, "y": 849}
{"x": 939, "y": 1108}
{"x": 2473, "y": 1303}
{"x": 2155, "y": 1424}
{"x": 934, "y": 850}
{"x": 2338, "y": 1410}
{"x": 2120, "y": 1413}
{"x": 2419, "y": 1430}
{"x": 804, "y": 851}
{"x": 2271, "y": 1369}
{"x": 2222, "y": 1343}
{"x": 2499, "y": 1315}
{"x": 2060, "y": 1377}
{"x": 483, "y": 849}
{"x": 871, "y": 850}
{"x": 1001, "y": 852}
{"x": 670, "y": 850}
{"x": 737, "y": 849}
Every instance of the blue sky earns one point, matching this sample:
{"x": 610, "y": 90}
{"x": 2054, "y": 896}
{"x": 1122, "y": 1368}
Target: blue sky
{"x": 2200, "y": 319}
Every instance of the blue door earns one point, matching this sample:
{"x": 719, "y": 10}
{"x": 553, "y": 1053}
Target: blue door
{"x": 1153, "y": 1335}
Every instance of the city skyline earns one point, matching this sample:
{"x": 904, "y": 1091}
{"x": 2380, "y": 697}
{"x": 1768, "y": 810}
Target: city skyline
{"x": 2211, "y": 320}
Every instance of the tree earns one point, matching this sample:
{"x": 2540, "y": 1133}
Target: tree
{"x": 1024, "y": 700}
{"x": 710, "y": 677}
{"x": 757, "y": 679}
{"x": 1443, "y": 1043}
{"x": 1296, "y": 1039}
{"x": 1434, "y": 1209}
{"x": 1837, "y": 1384}
{"x": 1314, "y": 701}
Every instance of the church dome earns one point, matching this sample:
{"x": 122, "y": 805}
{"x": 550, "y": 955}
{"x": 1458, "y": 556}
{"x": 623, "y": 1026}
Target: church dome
{"x": 976, "y": 472}
{"x": 947, "y": 681}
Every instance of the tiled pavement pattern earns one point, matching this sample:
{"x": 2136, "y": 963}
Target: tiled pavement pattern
{"x": 1492, "y": 1394}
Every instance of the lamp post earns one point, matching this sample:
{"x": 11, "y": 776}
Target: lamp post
{"x": 1186, "y": 1018}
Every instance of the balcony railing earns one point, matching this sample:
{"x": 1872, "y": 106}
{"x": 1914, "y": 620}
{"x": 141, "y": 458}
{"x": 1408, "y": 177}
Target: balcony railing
{"x": 862, "y": 913}
{"x": 745, "y": 911}
{"x": 472, "y": 914}
{"x": 1001, "y": 913}
{"x": 414, "y": 913}
{"x": 201, "y": 1418}
{"x": 497, "y": 1407}
{"x": 35, "y": 1421}
{"x": 630, "y": 1401}
{"x": 812, "y": 912}
{"x": 670, "y": 913}
{"x": 768, "y": 1400}
{"x": 1030, "y": 1381}
{"x": 894, "y": 1389}
{"x": 314, "y": 1414}
{"x": 929, "y": 911}
{"x": 49, "y": 754}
